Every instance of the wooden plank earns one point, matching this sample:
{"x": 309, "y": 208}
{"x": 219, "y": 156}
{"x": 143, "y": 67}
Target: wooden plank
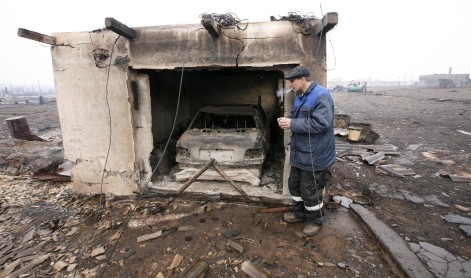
{"x": 211, "y": 162}
{"x": 328, "y": 22}
{"x": 149, "y": 236}
{"x": 39, "y": 259}
{"x": 223, "y": 197}
{"x": 221, "y": 172}
{"x": 276, "y": 209}
{"x": 35, "y": 36}
{"x": 365, "y": 146}
{"x": 119, "y": 28}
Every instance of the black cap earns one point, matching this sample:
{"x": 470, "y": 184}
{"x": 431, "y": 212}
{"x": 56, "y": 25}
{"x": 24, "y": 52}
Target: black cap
{"x": 297, "y": 72}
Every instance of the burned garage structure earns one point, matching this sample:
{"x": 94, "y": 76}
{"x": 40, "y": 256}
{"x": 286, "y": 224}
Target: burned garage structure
{"x": 125, "y": 97}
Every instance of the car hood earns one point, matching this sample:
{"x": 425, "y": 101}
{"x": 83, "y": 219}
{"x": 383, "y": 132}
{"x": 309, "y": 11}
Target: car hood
{"x": 221, "y": 139}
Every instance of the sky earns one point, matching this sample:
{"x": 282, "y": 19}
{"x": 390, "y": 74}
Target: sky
{"x": 373, "y": 40}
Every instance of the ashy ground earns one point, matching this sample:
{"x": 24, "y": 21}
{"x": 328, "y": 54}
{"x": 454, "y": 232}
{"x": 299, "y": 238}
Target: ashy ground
{"x": 48, "y": 231}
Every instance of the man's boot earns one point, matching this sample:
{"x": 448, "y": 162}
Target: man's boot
{"x": 290, "y": 217}
{"x": 311, "y": 229}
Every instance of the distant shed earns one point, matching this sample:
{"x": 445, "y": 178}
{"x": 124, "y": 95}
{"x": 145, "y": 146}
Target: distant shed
{"x": 445, "y": 80}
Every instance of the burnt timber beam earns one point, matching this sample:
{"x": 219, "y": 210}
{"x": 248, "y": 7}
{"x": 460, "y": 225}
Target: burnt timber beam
{"x": 27, "y": 34}
{"x": 327, "y": 23}
{"x": 119, "y": 28}
{"x": 208, "y": 22}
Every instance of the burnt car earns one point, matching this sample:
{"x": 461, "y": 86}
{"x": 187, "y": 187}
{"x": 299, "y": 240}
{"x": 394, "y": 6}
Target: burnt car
{"x": 236, "y": 136}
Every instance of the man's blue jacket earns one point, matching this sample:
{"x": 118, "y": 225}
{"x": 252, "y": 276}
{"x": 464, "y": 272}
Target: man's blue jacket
{"x": 312, "y": 128}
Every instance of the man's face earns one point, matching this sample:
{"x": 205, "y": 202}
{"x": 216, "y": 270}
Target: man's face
{"x": 296, "y": 84}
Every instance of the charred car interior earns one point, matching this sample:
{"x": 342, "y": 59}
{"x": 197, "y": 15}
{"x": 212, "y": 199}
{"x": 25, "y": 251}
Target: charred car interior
{"x": 227, "y": 115}
{"x": 236, "y": 136}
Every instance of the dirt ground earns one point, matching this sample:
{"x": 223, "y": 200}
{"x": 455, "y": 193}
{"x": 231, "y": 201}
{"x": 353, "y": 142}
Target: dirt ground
{"x": 85, "y": 236}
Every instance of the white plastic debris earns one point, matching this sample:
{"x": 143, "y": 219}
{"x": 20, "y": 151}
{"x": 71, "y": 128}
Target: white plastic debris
{"x": 344, "y": 201}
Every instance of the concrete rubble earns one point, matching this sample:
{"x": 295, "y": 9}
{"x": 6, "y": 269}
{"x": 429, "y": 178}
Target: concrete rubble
{"x": 441, "y": 262}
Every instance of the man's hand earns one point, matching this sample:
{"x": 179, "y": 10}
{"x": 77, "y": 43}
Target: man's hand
{"x": 284, "y": 123}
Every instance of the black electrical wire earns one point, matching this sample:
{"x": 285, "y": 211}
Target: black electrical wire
{"x": 228, "y": 20}
{"x": 310, "y": 149}
{"x": 300, "y": 19}
{"x": 100, "y": 208}
{"x": 131, "y": 215}
{"x": 110, "y": 130}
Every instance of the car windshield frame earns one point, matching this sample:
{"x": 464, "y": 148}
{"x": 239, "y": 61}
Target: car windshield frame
{"x": 227, "y": 117}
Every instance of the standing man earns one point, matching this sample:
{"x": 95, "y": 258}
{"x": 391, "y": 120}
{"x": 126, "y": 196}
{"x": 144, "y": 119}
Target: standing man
{"x": 312, "y": 148}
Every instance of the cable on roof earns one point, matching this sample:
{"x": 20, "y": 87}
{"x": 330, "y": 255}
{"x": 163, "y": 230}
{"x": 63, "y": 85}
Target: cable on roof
{"x": 300, "y": 19}
{"x": 228, "y": 20}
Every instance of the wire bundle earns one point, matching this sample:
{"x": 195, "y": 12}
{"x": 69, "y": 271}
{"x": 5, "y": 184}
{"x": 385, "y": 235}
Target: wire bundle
{"x": 301, "y": 19}
{"x": 227, "y": 20}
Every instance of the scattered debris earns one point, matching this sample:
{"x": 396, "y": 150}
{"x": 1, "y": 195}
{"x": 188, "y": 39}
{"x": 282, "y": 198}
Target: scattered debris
{"x": 10, "y": 268}
{"x": 332, "y": 204}
{"x": 38, "y": 259}
{"x": 441, "y": 262}
{"x": 464, "y": 132}
{"x": 460, "y": 178}
{"x": 231, "y": 233}
{"x": 198, "y": 269}
{"x": 436, "y": 201}
{"x": 276, "y": 209}
{"x": 177, "y": 259}
{"x": 466, "y": 229}
{"x": 60, "y": 265}
{"x": 372, "y": 159}
{"x": 252, "y": 271}
{"x": 234, "y": 245}
{"x": 343, "y": 265}
{"x": 19, "y": 129}
{"x": 463, "y": 209}
{"x": 414, "y": 146}
{"x": 57, "y": 171}
{"x": 430, "y": 156}
{"x": 149, "y": 236}
{"x": 98, "y": 251}
{"x": 344, "y": 201}
{"x": 454, "y": 218}
{"x": 395, "y": 170}
{"x": 29, "y": 235}
{"x": 464, "y": 177}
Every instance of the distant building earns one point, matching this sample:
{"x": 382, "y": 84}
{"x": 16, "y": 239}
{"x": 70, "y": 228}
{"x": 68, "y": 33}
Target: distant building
{"x": 445, "y": 80}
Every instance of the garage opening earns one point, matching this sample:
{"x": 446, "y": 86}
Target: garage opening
{"x": 210, "y": 87}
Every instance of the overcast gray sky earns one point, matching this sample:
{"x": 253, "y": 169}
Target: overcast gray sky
{"x": 374, "y": 40}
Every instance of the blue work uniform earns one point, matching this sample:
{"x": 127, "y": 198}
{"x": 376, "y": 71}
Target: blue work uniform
{"x": 312, "y": 151}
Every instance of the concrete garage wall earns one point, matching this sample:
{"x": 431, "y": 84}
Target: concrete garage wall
{"x": 83, "y": 100}
{"x": 267, "y": 45}
{"x": 99, "y": 109}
